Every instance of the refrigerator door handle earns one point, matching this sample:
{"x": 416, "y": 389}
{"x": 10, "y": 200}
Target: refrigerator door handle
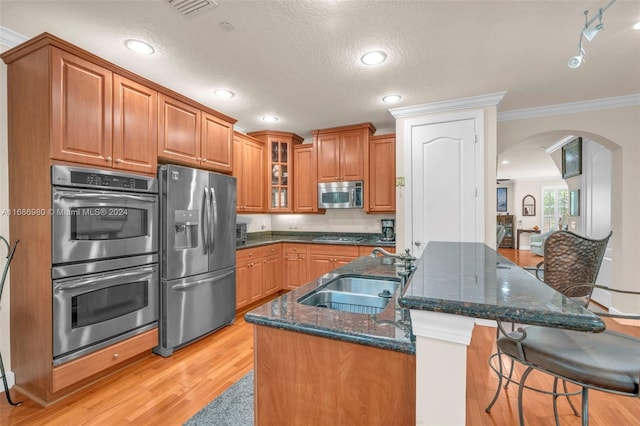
{"x": 186, "y": 286}
{"x": 205, "y": 221}
{"x": 214, "y": 224}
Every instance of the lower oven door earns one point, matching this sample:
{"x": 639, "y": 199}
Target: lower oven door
{"x": 93, "y": 311}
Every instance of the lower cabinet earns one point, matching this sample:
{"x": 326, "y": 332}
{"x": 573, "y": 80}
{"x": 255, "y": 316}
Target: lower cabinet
{"x": 295, "y": 265}
{"x": 327, "y": 257}
{"x": 258, "y": 273}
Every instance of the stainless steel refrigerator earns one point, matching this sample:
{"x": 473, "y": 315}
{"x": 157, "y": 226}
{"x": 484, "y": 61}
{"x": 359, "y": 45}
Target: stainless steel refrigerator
{"x": 198, "y": 255}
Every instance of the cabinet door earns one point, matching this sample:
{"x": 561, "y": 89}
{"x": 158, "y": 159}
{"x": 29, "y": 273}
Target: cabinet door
{"x": 382, "y": 174}
{"x": 305, "y": 179}
{"x": 272, "y": 274}
{"x": 328, "y": 157}
{"x": 135, "y": 126}
{"x": 352, "y": 155}
{"x": 257, "y": 278}
{"x": 296, "y": 265}
{"x": 81, "y": 97}
{"x": 249, "y": 168}
{"x": 178, "y": 131}
{"x": 216, "y": 143}
{"x": 243, "y": 284}
{"x": 320, "y": 264}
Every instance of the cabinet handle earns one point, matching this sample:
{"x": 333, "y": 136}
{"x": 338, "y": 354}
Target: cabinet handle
{"x": 108, "y": 158}
{"x": 116, "y": 355}
{"x": 199, "y": 159}
{"x": 118, "y": 161}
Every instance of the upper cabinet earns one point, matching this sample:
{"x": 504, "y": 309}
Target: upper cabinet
{"x": 279, "y": 168}
{"x": 342, "y": 152}
{"x": 382, "y": 174}
{"x": 249, "y": 168}
{"x": 305, "y": 179}
{"x": 190, "y": 136}
{"x": 101, "y": 118}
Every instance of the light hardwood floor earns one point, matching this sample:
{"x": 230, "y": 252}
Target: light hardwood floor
{"x": 167, "y": 391}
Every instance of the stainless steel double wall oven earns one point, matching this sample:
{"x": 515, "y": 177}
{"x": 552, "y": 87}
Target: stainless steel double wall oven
{"x": 104, "y": 258}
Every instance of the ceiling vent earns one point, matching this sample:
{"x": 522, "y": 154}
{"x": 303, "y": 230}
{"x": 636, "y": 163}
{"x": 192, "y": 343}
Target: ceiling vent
{"x": 191, "y": 7}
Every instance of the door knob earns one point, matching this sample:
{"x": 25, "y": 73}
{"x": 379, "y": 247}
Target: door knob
{"x": 417, "y": 243}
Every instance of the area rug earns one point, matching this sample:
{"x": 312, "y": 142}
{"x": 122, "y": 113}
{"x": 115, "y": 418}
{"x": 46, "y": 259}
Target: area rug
{"x": 233, "y": 408}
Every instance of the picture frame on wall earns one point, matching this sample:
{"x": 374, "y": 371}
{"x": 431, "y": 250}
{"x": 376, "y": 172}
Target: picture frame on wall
{"x": 572, "y": 158}
{"x": 501, "y": 197}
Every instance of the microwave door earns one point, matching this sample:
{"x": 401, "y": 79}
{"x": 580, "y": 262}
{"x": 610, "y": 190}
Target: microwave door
{"x": 184, "y": 209}
{"x": 222, "y": 234}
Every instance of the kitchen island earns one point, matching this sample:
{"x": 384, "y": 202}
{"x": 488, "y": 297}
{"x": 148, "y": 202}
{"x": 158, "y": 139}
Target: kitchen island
{"x": 454, "y": 284}
{"x": 316, "y": 365}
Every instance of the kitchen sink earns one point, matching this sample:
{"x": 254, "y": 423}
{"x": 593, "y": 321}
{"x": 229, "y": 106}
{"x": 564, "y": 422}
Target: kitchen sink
{"x": 353, "y": 294}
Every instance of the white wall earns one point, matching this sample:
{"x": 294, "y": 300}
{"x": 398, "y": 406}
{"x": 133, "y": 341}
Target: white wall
{"x": 618, "y": 129}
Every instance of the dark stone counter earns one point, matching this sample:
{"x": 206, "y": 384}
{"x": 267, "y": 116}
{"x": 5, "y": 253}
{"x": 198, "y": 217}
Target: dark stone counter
{"x": 385, "y": 330}
{"x": 471, "y": 279}
{"x": 272, "y": 237}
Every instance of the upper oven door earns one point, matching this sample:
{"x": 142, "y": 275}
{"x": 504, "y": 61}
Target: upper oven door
{"x": 93, "y": 225}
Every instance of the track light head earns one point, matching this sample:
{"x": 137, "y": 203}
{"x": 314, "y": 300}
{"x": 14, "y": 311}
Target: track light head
{"x": 590, "y": 33}
{"x": 575, "y": 61}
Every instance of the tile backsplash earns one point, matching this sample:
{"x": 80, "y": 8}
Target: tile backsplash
{"x": 337, "y": 220}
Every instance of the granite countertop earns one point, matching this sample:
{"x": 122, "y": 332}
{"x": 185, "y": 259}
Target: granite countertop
{"x": 471, "y": 279}
{"x": 272, "y": 237}
{"x": 385, "y": 330}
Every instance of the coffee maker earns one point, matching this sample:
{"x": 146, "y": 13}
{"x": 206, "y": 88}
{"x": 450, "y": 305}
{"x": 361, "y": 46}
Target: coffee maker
{"x": 388, "y": 229}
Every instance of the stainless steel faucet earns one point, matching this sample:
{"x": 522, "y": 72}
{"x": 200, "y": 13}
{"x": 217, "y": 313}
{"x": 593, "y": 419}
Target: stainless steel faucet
{"x": 406, "y": 257}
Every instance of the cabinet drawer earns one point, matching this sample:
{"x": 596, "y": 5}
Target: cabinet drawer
{"x": 82, "y": 368}
{"x": 334, "y": 250}
{"x": 244, "y": 255}
{"x": 294, "y": 248}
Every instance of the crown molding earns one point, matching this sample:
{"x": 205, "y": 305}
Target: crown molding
{"x": 10, "y": 38}
{"x": 583, "y": 106}
{"x": 449, "y": 105}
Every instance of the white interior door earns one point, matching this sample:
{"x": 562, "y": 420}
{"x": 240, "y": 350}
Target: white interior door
{"x": 444, "y": 170}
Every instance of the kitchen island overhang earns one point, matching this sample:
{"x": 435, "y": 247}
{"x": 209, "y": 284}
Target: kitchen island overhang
{"x": 456, "y": 283}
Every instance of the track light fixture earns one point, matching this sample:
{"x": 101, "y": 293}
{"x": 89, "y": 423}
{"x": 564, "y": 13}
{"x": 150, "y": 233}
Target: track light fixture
{"x": 591, "y": 28}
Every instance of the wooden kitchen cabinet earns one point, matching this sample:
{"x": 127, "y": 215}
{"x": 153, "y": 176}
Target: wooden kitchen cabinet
{"x": 179, "y": 131}
{"x": 272, "y": 270}
{"x": 249, "y": 169}
{"x": 258, "y": 273}
{"x": 342, "y": 152}
{"x": 305, "y": 179}
{"x": 382, "y": 174}
{"x": 295, "y": 265}
{"x": 68, "y": 106}
{"x": 327, "y": 257}
{"x": 100, "y": 118}
{"x": 190, "y": 136}
{"x": 216, "y": 143}
{"x": 279, "y": 168}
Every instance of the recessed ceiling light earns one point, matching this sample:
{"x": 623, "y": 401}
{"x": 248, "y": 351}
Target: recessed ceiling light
{"x": 374, "y": 57}
{"x": 224, "y": 93}
{"x": 391, "y": 98}
{"x": 140, "y": 47}
{"x": 270, "y": 118}
{"x": 637, "y": 26}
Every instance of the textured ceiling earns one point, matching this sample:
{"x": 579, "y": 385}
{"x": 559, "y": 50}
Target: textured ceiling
{"x": 300, "y": 59}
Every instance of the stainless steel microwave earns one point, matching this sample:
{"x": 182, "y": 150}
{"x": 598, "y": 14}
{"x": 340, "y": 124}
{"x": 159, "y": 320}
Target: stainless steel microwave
{"x": 340, "y": 195}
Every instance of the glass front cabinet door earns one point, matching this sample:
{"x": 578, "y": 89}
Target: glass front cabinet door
{"x": 279, "y": 168}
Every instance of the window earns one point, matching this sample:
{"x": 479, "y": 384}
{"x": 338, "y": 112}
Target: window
{"x": 555, "y": 206}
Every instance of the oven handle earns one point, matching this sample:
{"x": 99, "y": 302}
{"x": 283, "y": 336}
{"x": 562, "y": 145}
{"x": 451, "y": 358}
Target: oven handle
{"x": 186, "y": 286}
{"x": 100, "y": 196}
{"x": 80, "y": 283}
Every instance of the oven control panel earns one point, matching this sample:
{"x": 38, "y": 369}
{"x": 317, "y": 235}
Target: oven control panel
{"x": 101, "y": 179}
